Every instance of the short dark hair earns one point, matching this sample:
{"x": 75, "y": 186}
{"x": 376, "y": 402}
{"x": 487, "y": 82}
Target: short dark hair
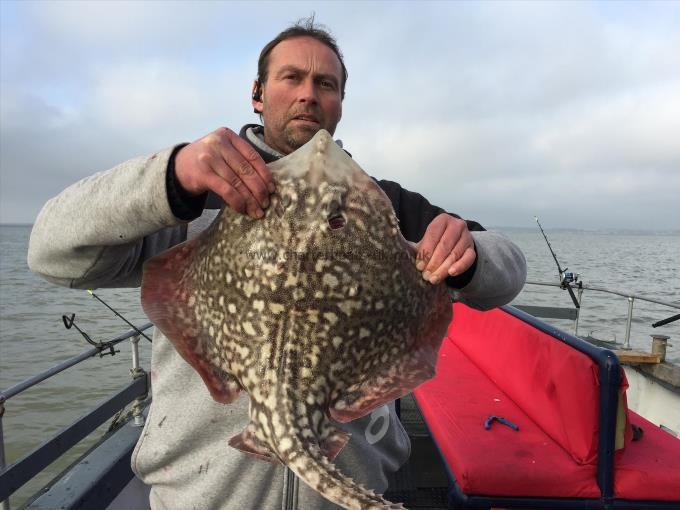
{"x": 304, "y": 27}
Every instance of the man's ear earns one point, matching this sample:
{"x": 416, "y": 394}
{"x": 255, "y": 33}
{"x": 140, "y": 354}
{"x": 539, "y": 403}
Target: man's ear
{"x": 257, "y": 97}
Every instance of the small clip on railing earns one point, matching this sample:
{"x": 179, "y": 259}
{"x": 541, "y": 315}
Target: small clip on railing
{"x": 70, "y": 322}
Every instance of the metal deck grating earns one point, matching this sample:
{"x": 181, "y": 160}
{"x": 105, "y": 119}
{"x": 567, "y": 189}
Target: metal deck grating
{"x": 421, "y": 483}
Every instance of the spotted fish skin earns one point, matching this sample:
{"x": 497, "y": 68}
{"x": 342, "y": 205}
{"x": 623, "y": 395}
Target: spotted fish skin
{"x": 316, "y": 311}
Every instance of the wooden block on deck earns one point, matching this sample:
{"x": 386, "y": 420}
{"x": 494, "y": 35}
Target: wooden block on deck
{"x": 637, "y": 357}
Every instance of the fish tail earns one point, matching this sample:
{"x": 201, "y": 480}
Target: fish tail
{"x": 314, "y": 468}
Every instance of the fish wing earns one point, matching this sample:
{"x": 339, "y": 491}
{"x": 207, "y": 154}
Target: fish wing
{"x": 166, "y": 299}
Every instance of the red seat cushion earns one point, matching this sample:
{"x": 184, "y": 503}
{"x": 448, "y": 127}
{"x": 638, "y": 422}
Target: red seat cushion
{"x": 551, "y": 391}
{"x": 556, "y": 385}
{"x": 499, "y": 461}
{"x": 649, "y": 468}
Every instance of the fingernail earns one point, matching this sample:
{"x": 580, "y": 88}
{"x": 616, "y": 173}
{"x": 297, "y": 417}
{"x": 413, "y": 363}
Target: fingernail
{"x": 259, "y": 213}
{"x": 453, "y": 271}
{"x": 271, "y": 187}
{"x": 266, "y": 202}
{"x": 434, "y": 280}
{"x": 420, "y": 265}
{"x": 426, "y": 275}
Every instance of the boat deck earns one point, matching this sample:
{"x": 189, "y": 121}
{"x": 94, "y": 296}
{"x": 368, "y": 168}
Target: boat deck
{"x": 421, "y": 483}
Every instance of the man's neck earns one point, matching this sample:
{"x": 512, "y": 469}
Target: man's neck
{"x": 254, "y": 134}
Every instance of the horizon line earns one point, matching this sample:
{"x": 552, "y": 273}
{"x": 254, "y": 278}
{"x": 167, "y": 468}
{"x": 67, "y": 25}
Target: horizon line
{"x": 491, "y": 227}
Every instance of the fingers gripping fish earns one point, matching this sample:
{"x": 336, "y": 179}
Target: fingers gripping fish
{"x": 316, "y": 311}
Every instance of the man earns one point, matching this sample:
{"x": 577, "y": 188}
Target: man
{"x": 142, "y": 207}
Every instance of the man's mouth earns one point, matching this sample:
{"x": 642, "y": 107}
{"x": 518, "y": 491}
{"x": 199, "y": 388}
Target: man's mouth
{"x": 307, "y": 118}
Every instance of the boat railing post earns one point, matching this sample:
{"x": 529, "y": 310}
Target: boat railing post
{"x": 134, "y": 343}
{"x": 4, "y": 505}
{"x": 578, "y": 310}
{"x": 626, "y": 341}
{"x": 137, "y": 371}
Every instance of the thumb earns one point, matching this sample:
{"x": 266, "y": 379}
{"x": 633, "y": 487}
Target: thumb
{"x": 419, "y": 256}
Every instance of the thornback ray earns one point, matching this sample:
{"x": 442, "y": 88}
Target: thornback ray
{"x": 316, "y": 311}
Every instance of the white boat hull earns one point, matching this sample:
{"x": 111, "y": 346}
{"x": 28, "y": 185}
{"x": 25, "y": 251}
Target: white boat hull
{"x": 653, "y": 401}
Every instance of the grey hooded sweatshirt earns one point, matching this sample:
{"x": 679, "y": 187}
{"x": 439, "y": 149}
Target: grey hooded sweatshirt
{"x": 183, "y": 452}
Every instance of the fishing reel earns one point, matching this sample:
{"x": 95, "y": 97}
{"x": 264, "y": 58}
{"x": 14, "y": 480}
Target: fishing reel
{"x": 566, "y": 279}
{"x": 569, "y": 278}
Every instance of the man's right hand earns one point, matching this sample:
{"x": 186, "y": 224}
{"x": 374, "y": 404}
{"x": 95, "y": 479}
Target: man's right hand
{"x": 226, "y": 164}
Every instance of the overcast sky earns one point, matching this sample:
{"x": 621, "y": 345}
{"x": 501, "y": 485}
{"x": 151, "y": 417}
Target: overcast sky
{"x": 498, "y": 111}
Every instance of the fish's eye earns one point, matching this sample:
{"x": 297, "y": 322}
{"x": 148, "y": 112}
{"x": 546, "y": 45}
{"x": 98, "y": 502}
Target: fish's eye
{"x": 336, "y": 221}
{"x": 335, "y": 218}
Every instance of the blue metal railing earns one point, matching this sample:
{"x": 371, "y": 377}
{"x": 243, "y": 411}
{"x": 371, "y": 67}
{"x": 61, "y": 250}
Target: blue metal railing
{"x": 14, "y": 476}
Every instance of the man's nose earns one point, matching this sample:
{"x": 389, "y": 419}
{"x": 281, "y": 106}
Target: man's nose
{"x": 308, "y": 91}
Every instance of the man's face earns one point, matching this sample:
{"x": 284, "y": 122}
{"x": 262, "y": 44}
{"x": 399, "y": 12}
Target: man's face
{"x": 301, "y": 94}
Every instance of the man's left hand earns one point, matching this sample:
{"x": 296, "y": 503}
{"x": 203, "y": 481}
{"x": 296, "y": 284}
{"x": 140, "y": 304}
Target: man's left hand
{"x": 446, "y": 249}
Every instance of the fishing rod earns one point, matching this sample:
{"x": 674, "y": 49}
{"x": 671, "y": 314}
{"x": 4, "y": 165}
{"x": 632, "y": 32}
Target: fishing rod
{"x": 119, "y": 315}
{"x": 666, "y": 321}
{"x": 565, "y": 278}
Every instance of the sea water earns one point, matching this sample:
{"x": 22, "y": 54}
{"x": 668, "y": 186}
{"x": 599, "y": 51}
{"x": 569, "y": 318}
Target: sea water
{"x": 33, "y": 336}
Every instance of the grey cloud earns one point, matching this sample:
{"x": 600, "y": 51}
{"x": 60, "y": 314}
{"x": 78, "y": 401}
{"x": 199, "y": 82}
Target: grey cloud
{"x": 495, "y": 110}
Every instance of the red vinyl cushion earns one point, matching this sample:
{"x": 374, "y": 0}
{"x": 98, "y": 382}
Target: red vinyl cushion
{"x": 649, "y": 468}
{"x": 554, "y": 384}
{"x": 530, "y": 462}
{"x": 500, "y": 461}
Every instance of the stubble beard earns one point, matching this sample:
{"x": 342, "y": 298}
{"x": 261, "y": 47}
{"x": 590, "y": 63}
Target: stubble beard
{"x": 291, "y": 137}
{"x": 296, "y": 137}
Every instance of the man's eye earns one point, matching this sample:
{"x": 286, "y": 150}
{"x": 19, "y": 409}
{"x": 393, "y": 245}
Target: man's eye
{"x": 328, "y": 84}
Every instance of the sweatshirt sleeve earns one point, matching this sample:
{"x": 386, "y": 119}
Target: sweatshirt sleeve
{"x": 499, "y": 271}
{"x": 99, "y": 231}
{"x": 500, "y": 274}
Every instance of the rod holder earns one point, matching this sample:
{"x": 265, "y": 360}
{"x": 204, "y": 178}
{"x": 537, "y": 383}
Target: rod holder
{"x": 629, "y": 320}
{"x": 659, "y": 344}
{"x": 134, "y": 343}
{"x": 137, "y": 372}
{"x": 578, "y": 310}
